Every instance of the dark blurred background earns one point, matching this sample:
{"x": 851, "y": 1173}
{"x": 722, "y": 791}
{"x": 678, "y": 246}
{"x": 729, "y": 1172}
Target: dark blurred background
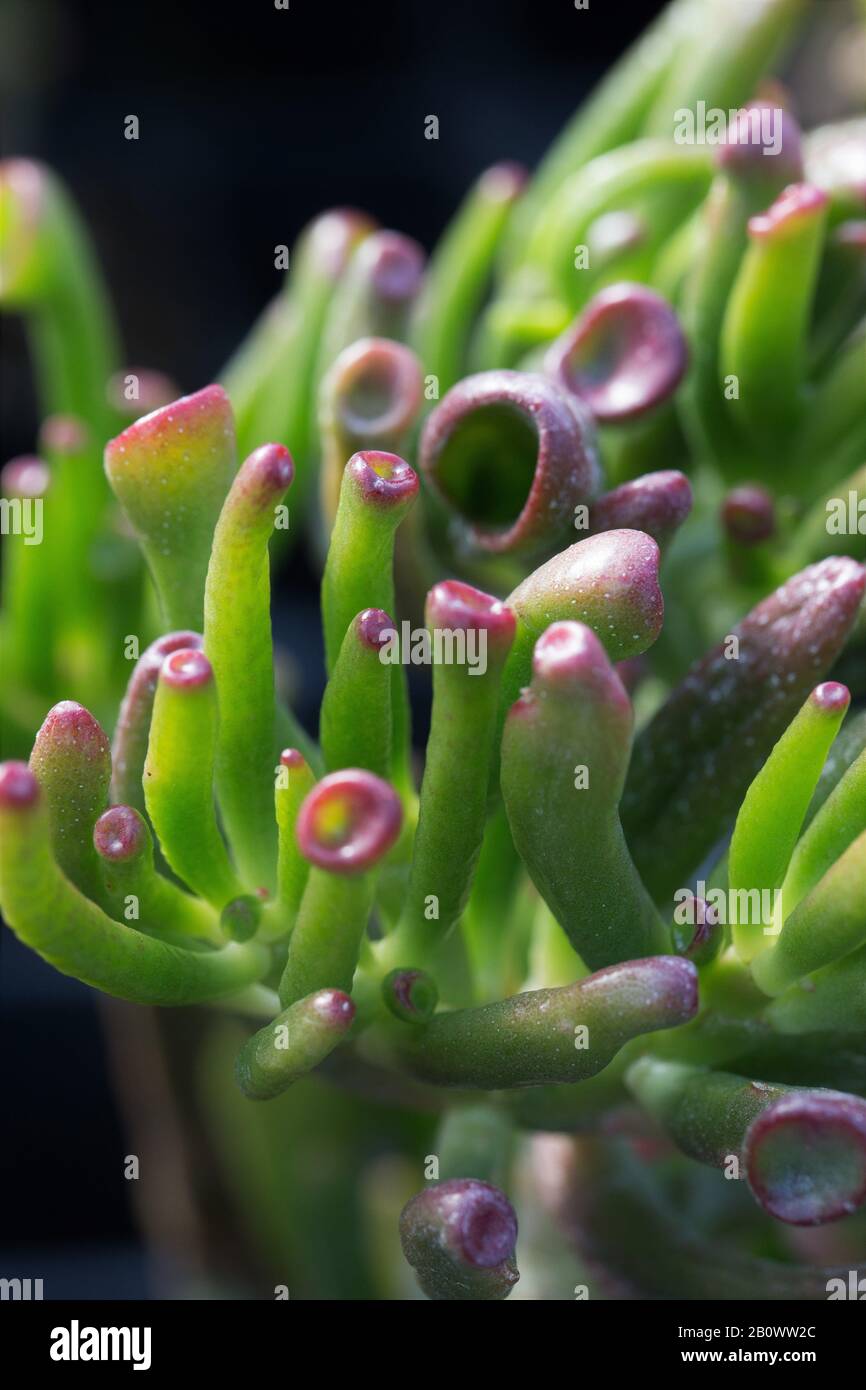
{"x": 252, "y": 119}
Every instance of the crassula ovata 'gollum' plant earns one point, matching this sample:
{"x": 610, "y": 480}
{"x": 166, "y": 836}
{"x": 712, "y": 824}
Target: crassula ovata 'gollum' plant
{"x": 621, "y": 892}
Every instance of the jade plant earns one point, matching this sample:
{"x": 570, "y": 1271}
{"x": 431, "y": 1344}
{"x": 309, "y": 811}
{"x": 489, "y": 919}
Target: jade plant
{"x": 621, "y": 892}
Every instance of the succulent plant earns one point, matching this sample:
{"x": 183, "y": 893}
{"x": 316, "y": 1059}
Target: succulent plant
{"x": 638, "y": 920}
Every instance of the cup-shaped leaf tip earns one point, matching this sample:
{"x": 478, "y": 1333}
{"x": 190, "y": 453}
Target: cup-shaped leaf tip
{"x": 186, "y": 669}
{"x": 374, "y": 388}
{"x": 411, "y": 995}
{"x": 806, "y": 1157}
{"x": 623, "y": 356}
{"x": 511, "y": 454}
{"x": 349, "y": 821}
{"x": 383, "y": 479}
{"x": 474, "y": 1219}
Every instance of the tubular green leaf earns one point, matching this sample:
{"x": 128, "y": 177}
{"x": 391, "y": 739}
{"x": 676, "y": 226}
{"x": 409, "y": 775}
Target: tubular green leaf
{"x": 803, "y": 1151}
{"x": 612, "y": 181}
{"x": 50, "y": 273}
{"x": 124, "y": 844}
{"x": 705, "y": 1113}
{"x": 377, "y": 491}
{"x": 171, "y": 471}
{"x": 293, "y": 1044}
{"x": 565, "y": 754}
{"x": 294, "y": 780}
{"x": 839, "y": 821}
{"x": 609, "y": 582}
{"x": 49, "y": 914}
{"x": 453, "y": 803}
{"x": 828, "y": 923}
{"x": 833, "y": 1000}
{"x": 376, "y": 295}
{"x": 355, "y": 721}
{"x": 345, "y": 827}
{"x": 718, "y": 726}
{"x": 285, "y": 353}
{"x": 552, "y": 1035}
{"x": 613, "y": 115}
{"x": 129, "y": 746}
{"x": 72, "y": 760}
{"x": 178, "y": 777}
{"x": 327, "y": 935}
{"x": 459, "y": 1237}
{"x": 458, "y": 273}
{"x": 369, "y": 400}
{"x": 237, "y": 640}
{"x": 725, "y": 52}
{"x": 772, "y": 812}
{"x": 764, "y": 334}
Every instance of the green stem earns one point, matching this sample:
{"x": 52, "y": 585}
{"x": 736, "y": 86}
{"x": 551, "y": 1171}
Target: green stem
{"x": 327, "y": 935}
{"x": 835, "y": 416}
{"x": 475, "y": 1141}
{"x": 76, "y": 509}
